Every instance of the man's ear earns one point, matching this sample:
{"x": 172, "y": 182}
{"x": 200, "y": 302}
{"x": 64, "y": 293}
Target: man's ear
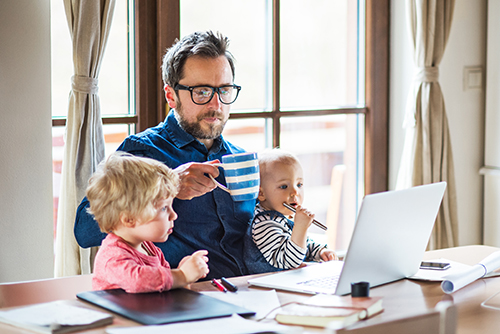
{"x": 170, "y": 96}
{"x": 127, "y": 220}
{"x": 261, "y": 196}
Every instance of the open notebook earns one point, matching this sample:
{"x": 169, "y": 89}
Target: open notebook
{"x": 390, "y": 237}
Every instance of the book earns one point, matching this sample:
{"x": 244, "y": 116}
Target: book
{"x": 55, "y": 317}
{"x": 335, "y": 311}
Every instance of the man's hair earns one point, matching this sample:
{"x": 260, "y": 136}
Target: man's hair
{"x": 276, "y": 155}
{"x": 128, "y": 185}
{"x": 204, "y": 44}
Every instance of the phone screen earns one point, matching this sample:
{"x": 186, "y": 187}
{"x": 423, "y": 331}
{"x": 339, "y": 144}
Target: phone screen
{"x": 434, "y": 265}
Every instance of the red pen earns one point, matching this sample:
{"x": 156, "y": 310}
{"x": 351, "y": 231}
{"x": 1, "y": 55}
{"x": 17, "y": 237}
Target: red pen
{"x": 218, "y": 285}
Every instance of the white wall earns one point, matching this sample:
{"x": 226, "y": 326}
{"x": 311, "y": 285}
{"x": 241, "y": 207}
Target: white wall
{"x": 26, "y": 231}
{"x": 465, "y": 109}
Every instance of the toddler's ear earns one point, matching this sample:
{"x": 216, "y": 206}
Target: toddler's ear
{"x": 127, "y": 221}
{"x": 261, "y": 196}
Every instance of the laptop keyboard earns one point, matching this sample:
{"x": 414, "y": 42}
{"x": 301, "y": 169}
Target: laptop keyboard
{"x": 328, "y": 282}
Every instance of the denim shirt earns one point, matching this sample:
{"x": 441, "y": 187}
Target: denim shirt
{"x": 213, "y": 221}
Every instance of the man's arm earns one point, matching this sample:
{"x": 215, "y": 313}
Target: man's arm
{"x": 87, "y": 231}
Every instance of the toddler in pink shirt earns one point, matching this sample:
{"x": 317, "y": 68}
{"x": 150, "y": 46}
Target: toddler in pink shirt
{"x": 131, "y": 199}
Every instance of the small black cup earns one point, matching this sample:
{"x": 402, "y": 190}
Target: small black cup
{"x": 360, "y": 289}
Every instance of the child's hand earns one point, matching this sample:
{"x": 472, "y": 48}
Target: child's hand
{"x": 194, "y": 266}
{"x": 328, "y": 255}
{"x": 303, "y": 218}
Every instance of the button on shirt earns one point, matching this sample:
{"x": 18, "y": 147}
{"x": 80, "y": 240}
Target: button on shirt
{"x": 213, "y": 221}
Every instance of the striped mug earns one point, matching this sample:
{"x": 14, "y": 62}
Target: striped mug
{"x": 241, "y": 172}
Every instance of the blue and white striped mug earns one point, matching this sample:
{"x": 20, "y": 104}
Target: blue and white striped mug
{"x": 241, "y": 172}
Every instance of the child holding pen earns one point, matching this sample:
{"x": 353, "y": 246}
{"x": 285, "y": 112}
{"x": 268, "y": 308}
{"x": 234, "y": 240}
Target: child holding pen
{"x": 281, "y": 242}
{"x": 131, "y": 199}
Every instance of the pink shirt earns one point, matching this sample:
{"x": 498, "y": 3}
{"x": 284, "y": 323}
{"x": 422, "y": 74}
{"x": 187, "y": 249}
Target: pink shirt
{"x": 118, "y": 265}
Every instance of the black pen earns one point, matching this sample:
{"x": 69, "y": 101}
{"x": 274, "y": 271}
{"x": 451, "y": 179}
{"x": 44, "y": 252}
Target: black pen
{"x": 315, "y": 222}
{"x": 230, "y": 286}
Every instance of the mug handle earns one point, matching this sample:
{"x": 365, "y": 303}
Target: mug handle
{"x": 218, "y": 184}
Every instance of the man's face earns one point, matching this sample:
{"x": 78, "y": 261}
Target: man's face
{"x": 204, "y": 122}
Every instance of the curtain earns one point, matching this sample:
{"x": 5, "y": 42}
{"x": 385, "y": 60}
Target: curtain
{"x": 427, "y": 154}
{"x": 89, "y": 24}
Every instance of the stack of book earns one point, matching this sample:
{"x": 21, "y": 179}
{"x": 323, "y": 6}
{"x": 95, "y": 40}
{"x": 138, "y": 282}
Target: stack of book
{"x": 336, "y": 312}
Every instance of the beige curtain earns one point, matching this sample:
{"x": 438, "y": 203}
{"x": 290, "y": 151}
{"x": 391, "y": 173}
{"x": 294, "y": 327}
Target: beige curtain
{"x": 427, "y": 154}
{"x": 89, "y": 23}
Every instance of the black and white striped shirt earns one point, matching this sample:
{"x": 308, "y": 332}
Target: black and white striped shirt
{"x": 271, "y": 232}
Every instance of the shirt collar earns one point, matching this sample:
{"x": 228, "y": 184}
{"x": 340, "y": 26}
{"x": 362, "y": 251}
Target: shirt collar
{"x": 177, "y": 134}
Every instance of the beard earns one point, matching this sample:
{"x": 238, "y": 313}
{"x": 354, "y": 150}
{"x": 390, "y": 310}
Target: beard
{"x": 195, "y": 129}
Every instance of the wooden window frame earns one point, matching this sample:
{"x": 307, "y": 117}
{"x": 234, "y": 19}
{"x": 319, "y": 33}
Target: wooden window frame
{"x": 157, "y": 26}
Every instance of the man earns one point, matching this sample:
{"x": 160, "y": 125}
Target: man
{"x": 198, "y": 74}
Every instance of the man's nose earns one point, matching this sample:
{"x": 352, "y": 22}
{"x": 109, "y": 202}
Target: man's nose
{"x": 215, "y": 100}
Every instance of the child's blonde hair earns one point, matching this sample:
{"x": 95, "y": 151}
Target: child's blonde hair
{"x": 275, "y": 155}
{"x": 128, "y": 185}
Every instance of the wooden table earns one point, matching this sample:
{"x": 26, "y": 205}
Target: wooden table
{"x": 401, "y": 298}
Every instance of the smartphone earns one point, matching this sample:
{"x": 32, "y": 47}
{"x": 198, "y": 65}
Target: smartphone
{"x": 434, "y": 265}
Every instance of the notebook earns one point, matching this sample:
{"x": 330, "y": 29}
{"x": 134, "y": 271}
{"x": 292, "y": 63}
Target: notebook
{"x": 162, "y": 307}
{"x": 388, "y": 242}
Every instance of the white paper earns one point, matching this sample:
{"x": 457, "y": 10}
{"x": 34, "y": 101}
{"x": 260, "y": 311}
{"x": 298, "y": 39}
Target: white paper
{"x": 454, "y": 282}
{"x": 57, "y": 312}
{"x": 228, "y": 325}
{"x": 261, "y": 302}
{"x": 439, "y": 275}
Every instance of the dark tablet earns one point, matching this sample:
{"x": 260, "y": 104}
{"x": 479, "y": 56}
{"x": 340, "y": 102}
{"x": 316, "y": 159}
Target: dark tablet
{"x": 162, "y": 307}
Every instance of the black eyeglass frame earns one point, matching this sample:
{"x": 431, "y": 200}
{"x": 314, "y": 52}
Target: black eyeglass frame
{"x": 214, "y": 90}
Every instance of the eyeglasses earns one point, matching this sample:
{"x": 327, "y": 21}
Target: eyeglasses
{"x": 204, "y": 94}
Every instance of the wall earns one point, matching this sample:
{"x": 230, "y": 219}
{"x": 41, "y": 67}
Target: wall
{"x": 26, "y": 231}
{"x": 465, "y": 109}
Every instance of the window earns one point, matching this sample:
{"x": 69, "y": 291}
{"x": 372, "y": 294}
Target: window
{"x": 294, "y": 77}
{"x": 308, "y": 71}
{"x": 302, "y": 69}
{"x": 116, "y": 84}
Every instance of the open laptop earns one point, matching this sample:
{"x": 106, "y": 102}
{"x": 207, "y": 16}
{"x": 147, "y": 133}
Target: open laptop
{"x": 389, "y": 240}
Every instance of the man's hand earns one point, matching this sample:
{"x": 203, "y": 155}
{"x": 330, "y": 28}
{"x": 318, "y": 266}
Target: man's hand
{"x": 193, "y": 179}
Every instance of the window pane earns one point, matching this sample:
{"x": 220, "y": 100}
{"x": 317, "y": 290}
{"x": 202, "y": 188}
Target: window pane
{"x": 246, "y": 24}
{"x": 249, "y": 134}
{"x": 113, "y": 83}
{"x": 61, "y": 58}
{"x": 114, "y": 74}
{"x": 327, "y": 147}
{"x": 318, "y": 54}
{"x": 114, "y": 134}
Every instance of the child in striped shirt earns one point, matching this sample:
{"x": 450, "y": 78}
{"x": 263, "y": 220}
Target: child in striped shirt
{"x": 283, "y": 242}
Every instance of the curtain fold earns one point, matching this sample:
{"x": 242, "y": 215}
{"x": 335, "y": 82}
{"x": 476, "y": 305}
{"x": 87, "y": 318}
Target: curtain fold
{"x": 89, "y": 24}
{"x": 427, "y": 154}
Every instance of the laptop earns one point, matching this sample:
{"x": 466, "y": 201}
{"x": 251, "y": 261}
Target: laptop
{"x": 165, "y": 307}
{"x": 388, "y": 242}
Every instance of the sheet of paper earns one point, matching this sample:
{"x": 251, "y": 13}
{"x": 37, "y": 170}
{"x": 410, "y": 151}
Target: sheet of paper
{"x": 228, "y": 325}
{"x": 439, "y": 275}
{"x": 56, "y": 312}
{"x": 454, "y": 282}
{"x": 261, "y": 302}
{"x": 460, "y": 275}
